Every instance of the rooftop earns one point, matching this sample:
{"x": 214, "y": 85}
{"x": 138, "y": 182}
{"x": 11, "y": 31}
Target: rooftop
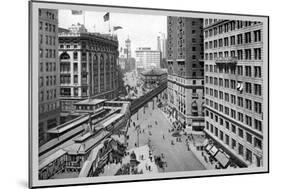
{"x": 89, "y": 34}
{"x": 73, "y": 123}
{"x": 90, "y": 101}
{"x": 81, "y": 148}
{"x": 51, "y": 158}
{"x": 154, "y": 72}
{"x": 110, "y": 120}
{"x": 88, "y": 164}
{"x": 120, "y": 138}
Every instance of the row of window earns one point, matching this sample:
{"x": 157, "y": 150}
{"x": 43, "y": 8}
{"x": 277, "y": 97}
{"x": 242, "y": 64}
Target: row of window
{"x": 84, "y": 57}
{"x": 48, "y": 27}
{"x": 49, "y": 53}
{"x": 246, "y": 153}
{"x": 239, "y": 39}
{"x": 83, "y": 46}
{"x": 235, "y": 130}
{"x": 65, "y": 79}
{"x": 250, "y": 88}
{"x": 49, "y": 67}
{"x": 225, "y": 96}
{"x": 50, "y": 80}
{"x": 226, "y": 27}
{"x": 49, "y": 40}
{"x": 235, "y": 114}
{"x": 48, "y": 14}
{"x": 66, "y": 91}
{"x": 49, "y": 95}
{"x": 48, "y": 107}
{"x": 68, "y": 46}
{"x": 240, "y": 54}
{"x": 257, "y": 124}
{"x": 209, "y": 21}
{"x": 235, "y": 70}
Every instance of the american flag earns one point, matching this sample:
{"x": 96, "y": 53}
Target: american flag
{"x": 106, "y": 17}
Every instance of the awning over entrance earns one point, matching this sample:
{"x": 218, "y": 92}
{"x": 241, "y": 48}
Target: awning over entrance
{"x": 208, "y": 147}
{"x": 222, "y": 158}
{"x": 197, "y": 124}
{"x": 213, "y": 151}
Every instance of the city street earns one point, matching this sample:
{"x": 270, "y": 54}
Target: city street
{"x": 130, "y": 78}
{"x": 176, "y": 155}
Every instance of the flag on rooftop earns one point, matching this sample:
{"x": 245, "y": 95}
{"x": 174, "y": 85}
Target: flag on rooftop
{"x": 117, "y": 28}
{"x": 106, "y": 17}
{"x": 76, "y": 12}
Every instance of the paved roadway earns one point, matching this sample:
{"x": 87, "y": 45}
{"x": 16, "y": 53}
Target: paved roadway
{"x": 131, "y": 79}
{"x": 177, "y": 156}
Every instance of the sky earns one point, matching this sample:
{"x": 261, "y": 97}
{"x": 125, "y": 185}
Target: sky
{"x": 141, "y": 29}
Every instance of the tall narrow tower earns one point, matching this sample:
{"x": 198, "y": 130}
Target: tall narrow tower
{"x": 158, "y": 43}
{"x": 128, "y": 48}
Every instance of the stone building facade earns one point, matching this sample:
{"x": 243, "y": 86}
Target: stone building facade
{"x": 88, "y": 66}
{"x": 234, "y": 88}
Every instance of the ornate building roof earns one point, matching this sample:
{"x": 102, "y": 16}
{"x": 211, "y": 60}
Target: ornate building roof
{"x": 154, "y": 72}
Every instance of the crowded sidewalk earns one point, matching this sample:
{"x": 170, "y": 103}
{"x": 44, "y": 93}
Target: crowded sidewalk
{"x": 193, "y": 144}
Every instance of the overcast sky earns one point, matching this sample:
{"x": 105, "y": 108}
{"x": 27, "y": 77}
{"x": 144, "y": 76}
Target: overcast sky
{"x": 141, "y": 29}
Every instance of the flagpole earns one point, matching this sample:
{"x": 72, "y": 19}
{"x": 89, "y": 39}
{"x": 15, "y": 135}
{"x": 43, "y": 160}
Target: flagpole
{"x": 109, "y": 25}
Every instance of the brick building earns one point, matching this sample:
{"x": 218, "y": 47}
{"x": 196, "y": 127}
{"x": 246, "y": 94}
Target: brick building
{"x": 185, "y": 70}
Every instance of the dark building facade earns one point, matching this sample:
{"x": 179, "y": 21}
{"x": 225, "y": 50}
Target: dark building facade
{"x": 48, "y": 73}
{"x": 186, "y": 70}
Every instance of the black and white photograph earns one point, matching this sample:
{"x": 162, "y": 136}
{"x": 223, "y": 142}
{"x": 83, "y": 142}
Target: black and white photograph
{"x": 127, "y": 94}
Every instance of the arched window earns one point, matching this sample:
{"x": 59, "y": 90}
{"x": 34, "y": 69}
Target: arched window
{"x": 64, "y": 56}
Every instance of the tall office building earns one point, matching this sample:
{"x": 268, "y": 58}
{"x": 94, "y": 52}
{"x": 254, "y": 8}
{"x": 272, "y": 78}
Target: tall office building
{"x": 127, "y": 50}
{"x": 88, "y": 66}
{"x": 158, "y": 43}
{"x": 147, "y": 58}
{"x": 48, "y": 72}
{"x": 233, "y": 88}
{"x": 161, "y": 46}
{"x": 185, "y": 70}
{"x": 126, "y": 61}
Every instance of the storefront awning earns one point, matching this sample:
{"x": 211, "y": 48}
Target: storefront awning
{"x": 197, "y": 124}
{"x": 222, "y": 158}
{"x": 208, "y": 147}
{"x": 213, "y": 150}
